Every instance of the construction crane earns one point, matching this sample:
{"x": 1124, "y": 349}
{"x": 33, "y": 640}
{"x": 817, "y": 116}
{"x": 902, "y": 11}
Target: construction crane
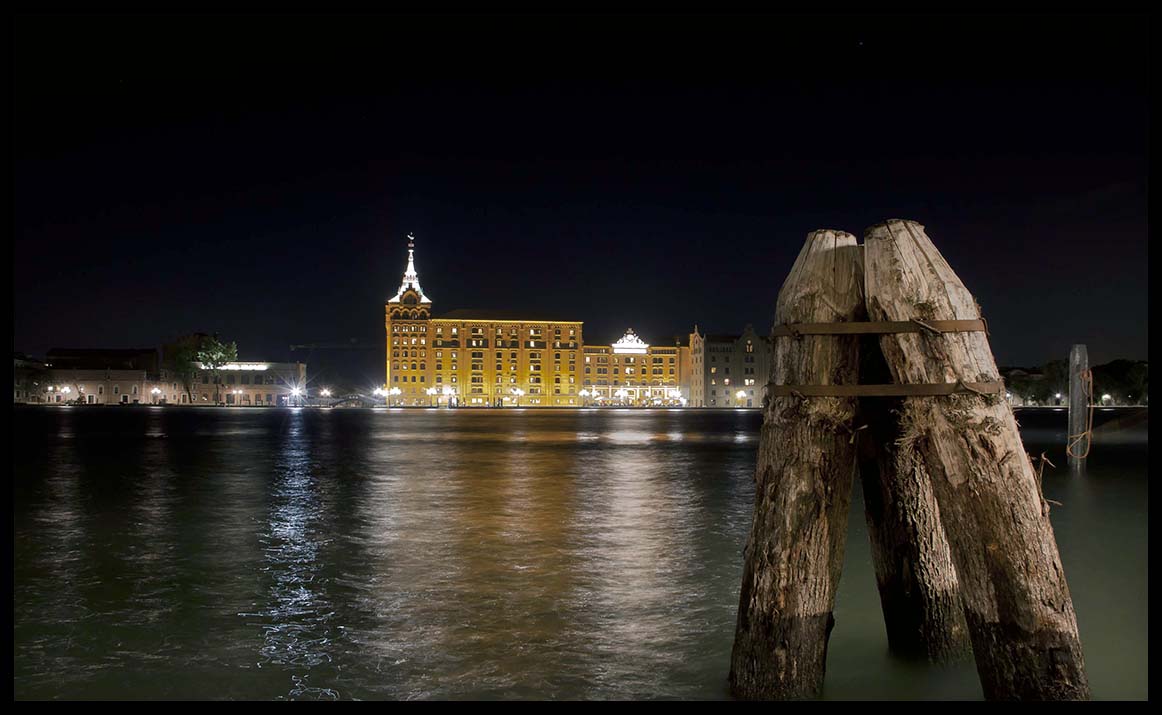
{"x": 353, "y": 344}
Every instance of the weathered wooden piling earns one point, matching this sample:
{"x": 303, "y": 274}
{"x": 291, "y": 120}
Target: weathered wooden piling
{"x": 913, "y": 565}
{"x": 806, "y": 464}
{"x": 1080, "y": 399}
{"x": 1016, "y": 601}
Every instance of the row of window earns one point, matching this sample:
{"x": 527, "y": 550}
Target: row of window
{"x": 478, "y": 332}
{"x": 244, "y": 378}
{"x": 479, "y": 355}
{"x": 629, "y": 360}
{"x": 630, "y": 371}
{"x": 668, "y": 381}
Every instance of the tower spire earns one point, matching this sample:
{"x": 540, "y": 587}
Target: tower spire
{"x": 411, "y": 280}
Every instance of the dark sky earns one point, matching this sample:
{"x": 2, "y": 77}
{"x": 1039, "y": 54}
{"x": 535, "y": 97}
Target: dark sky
{"x": 256, "y": 176}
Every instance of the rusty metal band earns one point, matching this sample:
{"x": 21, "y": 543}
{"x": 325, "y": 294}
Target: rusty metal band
{"x": 922, "y": 390}
{"x": 935, "y": 327}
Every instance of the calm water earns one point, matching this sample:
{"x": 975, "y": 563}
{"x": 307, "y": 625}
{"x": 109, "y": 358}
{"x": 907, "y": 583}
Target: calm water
{"x": 202, "y": 553}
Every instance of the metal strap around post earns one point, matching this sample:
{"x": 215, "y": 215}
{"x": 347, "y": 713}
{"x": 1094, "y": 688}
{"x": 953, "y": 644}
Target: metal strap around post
{"x": 916, "y": 325}
{"x": 919, "y": 390}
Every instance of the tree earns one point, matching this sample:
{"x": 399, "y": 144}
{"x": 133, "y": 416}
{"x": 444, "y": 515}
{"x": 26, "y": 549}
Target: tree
{"x": 213, "y": 354}
{"x": 1056, "y": 374}
{"x": 181, "y": 359}
{"x": 1127, "y": 381}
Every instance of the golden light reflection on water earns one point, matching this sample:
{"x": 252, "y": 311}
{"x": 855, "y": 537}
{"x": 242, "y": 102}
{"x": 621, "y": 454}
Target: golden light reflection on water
{"x": 351, "y": 554}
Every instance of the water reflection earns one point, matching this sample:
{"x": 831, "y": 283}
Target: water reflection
{"x": 185, "y": 553}
{"x": 297, "y": 615}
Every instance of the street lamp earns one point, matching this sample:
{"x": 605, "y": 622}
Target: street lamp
{"x": 155, "y": 392}
{"x": 518, "y": 392}
{"x": 394, "y": 392}
{"x": 431, "y": 396}
{"x": 296, "y": 392}
{"x": 741, "y": 395}
{"x": 584, "y": 396}
{"x": 324, "y": 392}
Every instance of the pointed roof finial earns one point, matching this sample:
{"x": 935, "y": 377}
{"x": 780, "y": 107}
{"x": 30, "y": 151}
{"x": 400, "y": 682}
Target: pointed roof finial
{"x": 410, "y": 278}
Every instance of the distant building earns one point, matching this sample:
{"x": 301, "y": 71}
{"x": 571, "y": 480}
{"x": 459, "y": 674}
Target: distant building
{"x": 106, "y": 387}
{"x": 100, "y": 376}
{"x": 29, "y": 378}
{"x": 729, "y": 370}
{"x": 250, "y": 384}
{"x": 632, "y": 372}
{"x": 132, "y": 377}
{"x": 476, "y": 358}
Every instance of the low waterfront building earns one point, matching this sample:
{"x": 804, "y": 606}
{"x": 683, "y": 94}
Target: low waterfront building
{"x": 119, "y": 377}
{"x": 729, "y": 370}
{"x": 107, "y": 387}
{"x": 29, "y": 378}
{"x": 100, "y": 376}
{"x": 250, "y": 384}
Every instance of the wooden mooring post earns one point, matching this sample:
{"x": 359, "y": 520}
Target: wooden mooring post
{"x": 915, "y": 575}
{"x": 1080, "y": 399}
{"x": 1016, "y": 602}
{"x": 960, "y": 530}
{"x": 806, "y": 465}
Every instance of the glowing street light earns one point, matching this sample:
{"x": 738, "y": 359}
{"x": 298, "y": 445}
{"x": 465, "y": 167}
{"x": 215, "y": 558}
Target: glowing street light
{"x": 431, "y": 392}
{"x": 324, "y": 392}
{"x": 584, "y": 395}
{"x": 518, "y": 392}
{"x": 394, "y": 392}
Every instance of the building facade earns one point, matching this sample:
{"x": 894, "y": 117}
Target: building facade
{"x": 250, "y": 384}
{"x": 29, "y": 379}
{"x": 479, "y": 358}
{"x": 729, "y": 370}
{"x": 103, "y": 377}
{"x": 632, "y": 372}
{"x": 476, "y": 358}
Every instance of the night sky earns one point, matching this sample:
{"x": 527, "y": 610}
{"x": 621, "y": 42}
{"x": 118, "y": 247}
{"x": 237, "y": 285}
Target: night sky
{"x": 256, "y": 176}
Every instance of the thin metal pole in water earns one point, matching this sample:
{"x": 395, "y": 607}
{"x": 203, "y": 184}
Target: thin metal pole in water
{"x": 1079, "y": 398}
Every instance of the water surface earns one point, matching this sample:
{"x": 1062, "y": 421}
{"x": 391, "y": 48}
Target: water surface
{"x": 357, "y": 554}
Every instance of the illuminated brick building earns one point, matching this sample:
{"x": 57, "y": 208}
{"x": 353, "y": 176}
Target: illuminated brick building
{"x": 632, "y": 372}
{"x": 486, "y": 359}
{"x": 477, "y": 358}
